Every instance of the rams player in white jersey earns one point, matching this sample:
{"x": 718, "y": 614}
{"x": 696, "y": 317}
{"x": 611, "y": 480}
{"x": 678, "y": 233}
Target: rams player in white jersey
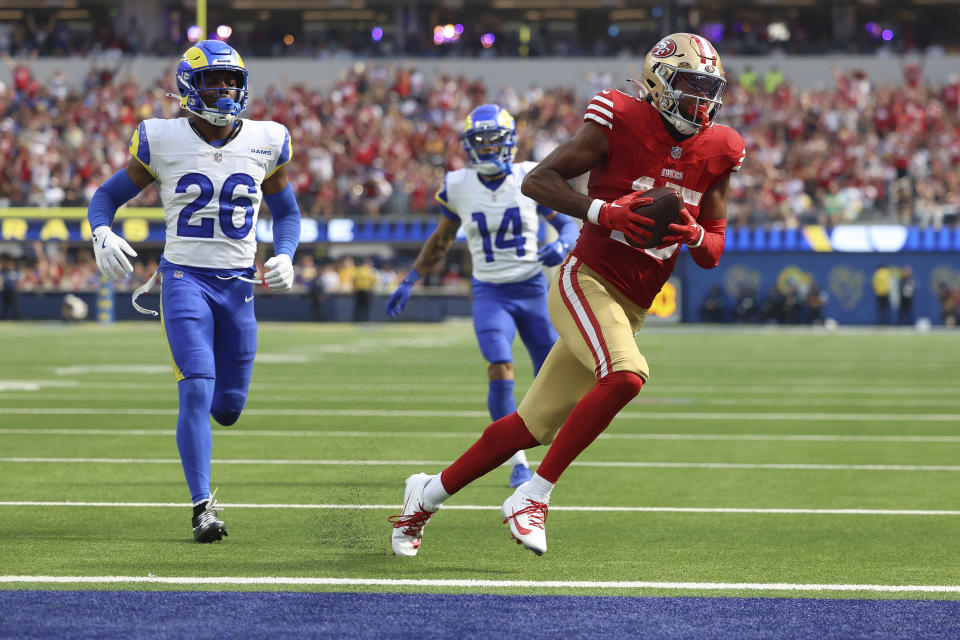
{"x": 212, "y": 170}
{"x": 501, "y": 224}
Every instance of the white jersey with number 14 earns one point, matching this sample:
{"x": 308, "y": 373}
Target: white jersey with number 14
{"x": 501, "y": 224}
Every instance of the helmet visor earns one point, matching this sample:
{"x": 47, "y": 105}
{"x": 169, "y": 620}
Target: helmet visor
{"x": 481, "y": 139}
{"x": 701, "y": 85}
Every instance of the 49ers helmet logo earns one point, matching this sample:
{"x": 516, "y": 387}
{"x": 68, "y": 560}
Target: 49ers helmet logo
{"x": 664, "y": 48}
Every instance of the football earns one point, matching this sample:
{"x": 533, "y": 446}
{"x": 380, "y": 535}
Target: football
{"x": 664, "y": 210}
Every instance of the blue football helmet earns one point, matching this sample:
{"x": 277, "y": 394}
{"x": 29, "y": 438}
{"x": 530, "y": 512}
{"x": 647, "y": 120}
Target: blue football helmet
{"x": 490, "y": 139}
{"x": 204, "y": 57}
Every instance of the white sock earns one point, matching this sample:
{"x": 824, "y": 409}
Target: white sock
{"x": 538, "y": 488}
{"x": 434, "y": 494}
{"x": 520, "y": 457}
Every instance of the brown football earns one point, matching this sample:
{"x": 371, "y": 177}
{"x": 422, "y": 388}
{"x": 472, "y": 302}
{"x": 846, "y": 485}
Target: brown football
{"x": 664, "y": 210}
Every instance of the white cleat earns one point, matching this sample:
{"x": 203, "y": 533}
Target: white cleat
{"x": 526, "y": 518}
{"x": 408, "y": 526}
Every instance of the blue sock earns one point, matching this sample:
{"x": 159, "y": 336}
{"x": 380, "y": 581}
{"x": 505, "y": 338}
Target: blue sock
{"x": 500, "y": 400}
{"x": 194, "y": 438}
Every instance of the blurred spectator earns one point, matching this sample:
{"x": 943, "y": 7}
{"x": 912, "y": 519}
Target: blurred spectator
{"x": 330, "y": 279}
{"x": 714, "y": 305}
{"x": 746, "y": 309}
{"x": 949, "y": 296}
{"x": 815, "y": 302}
{"x": 364, "y": 280}
{"x": 10, "y": 277}
{"x": 882, "y": 285}
{"x": 772, "y": 309}
{"x": 792, "y": 304}
{"x": 908, "y": 288}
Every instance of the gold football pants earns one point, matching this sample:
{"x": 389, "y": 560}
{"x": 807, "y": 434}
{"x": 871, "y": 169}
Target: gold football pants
{"x": 597, "y": 325}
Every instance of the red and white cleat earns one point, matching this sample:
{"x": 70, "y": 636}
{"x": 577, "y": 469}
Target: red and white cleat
{"x": 408, "y": 526}
{"x": 526, "y": 518}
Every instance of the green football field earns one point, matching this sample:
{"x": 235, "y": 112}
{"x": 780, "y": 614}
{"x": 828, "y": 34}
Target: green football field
{"x": 797, "y": 463}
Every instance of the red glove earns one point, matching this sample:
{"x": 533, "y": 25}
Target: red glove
{"x": 619, "y": 216}
{"x": 688, "y": 231}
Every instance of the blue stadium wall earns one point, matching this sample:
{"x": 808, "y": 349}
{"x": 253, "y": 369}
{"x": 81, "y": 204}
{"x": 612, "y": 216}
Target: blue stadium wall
{"x": 845, "y": 277}
{"x": 841, "y": 261}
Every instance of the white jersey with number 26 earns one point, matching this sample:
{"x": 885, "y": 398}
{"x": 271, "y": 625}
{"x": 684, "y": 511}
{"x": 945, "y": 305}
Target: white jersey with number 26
{"x": 501, "y": 224}
{"x": 210, "y": 195}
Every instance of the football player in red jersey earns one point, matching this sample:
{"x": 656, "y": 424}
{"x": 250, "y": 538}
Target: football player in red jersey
{"x": 666, "y": 136}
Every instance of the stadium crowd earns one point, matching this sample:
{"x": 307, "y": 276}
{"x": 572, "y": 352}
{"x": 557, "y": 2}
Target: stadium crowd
{"x": 379, "y": 141}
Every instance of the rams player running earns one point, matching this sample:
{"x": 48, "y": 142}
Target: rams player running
{"x": 665, "y": 136}
{"x": 212, "y": 170}
{"x": 501, "y": 224}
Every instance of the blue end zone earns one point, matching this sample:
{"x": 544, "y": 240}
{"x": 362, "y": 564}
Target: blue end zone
{"x": 150, "y": 614}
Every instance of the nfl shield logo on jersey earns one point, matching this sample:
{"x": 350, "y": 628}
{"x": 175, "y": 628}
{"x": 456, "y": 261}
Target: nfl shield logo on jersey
{"x": 675, "y": 153}
{"x": 218, "y": 157}
{"x": 178, "y": 274}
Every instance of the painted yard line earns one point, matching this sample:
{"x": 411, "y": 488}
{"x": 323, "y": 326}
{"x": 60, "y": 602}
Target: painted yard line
{"x": 471, "y": 507}
{"x": 482, "y": 584}
{"x": 434, "y": 463}
{"x": 169, "y": 394}
{"x": 321, "y": 397}
{"x": 280, "y": 433}
{"x": 418, "y": 413}
{"x": 467, "y": 386}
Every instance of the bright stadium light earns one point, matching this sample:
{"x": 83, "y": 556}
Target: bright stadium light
{"x": 487, "y": 40}
{"x": 376, "y": 34}
{"x": 194, "y": 33}
{"x": 887, "y": 35}
{"x": 778, "y": 32}
{"x": 224, "y": 31}
{"x": 449, "y": 32}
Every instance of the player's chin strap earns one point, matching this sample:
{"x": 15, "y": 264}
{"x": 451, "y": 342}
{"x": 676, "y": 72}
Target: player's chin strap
{"x": 142, "y": 289}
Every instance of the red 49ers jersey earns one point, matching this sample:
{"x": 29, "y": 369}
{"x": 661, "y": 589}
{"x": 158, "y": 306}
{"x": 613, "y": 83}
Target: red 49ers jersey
{"x": 642, "y": 156}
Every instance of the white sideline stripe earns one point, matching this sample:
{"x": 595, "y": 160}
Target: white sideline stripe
{"x": 434, "y": 463}
{"x": 651, "y": 401}
{"x": 280, "y": 433}
{"x": 485, "y": 584}
{"x": 389, "y": 413}
{"x": 730, "y": 389}
{"x": 472, "y": 507}
{"x": 323, "y": 398}
{"x": 727, "y": 389}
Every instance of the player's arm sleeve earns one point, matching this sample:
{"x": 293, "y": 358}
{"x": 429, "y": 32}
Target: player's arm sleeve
{"x": 286, "y": 220}
{"x": 738, "y": 156}
{"x": 567, "y": 229}
{"x": 708, "y": 251}
{"x": 602, "y": 111}
{"x": 283, "y": 155}
{"x": 111, "y": 195}
{"x": 442, "y": 196}
{"x": 140, "y": 149}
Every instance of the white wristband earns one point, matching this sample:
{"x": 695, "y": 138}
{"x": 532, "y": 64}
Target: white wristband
{"x": 703, "y": 234}
{"x": 593, "y": 213}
